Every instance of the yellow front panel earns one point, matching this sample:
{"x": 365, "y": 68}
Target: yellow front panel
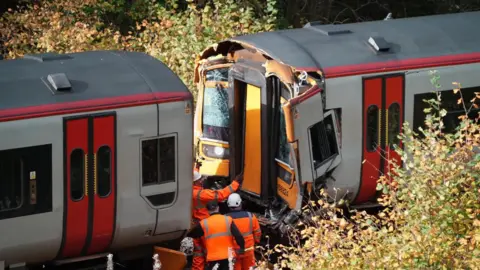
{"x": 253, "y": 144}
{"x": 213, "y": 166}
{"x": 288, "y": 192}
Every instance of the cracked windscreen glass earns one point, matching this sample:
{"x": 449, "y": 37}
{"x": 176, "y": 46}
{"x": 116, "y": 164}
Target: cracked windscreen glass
{"x": 217, "y": 75}
{"x": 215, "y": 107}
{"x": 284, "y": 147}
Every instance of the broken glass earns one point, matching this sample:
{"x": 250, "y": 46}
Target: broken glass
{"x": 216, "y": 113}
{"x": 217, "y": 75}
{"x": 284, "y": 147}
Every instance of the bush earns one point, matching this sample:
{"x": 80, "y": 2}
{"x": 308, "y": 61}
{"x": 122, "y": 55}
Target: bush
{"x": 174, "y": 35}
{"x": 179, "y": 37}
{"x": 431, "y": 218}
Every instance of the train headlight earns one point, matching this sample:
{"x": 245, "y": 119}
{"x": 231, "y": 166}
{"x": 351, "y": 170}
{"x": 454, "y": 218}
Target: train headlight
{"x": 213, "y": 151}
{"x": 219, "y": 151}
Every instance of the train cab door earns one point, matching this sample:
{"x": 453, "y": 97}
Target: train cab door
{"x": 89, "y": 184}
{"x": 285, "y": 160}
{"x": 317, "y": 135}
{"x": 249, "y": 132}
{"x": 383, "y": 116}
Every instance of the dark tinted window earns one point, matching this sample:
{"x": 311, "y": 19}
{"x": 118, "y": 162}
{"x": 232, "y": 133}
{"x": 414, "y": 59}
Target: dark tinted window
{"x": 167, "y": 159}
{"x": 323, "y": 140}
{"x": 372, "y": 128}
{"x": 77, "y": 174}
{"x": 450, "y": 103}
{"x": 104, "y": 180}
{"x": 158, "y": 160}
{"x": 26, "y": 181}
{"x": 11, "y": 179}
{"x": 393, "y": 124}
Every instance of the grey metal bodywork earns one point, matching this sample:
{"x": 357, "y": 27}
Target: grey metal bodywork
{"x": 326, "y": 46}
{"x": 346, "y": 93}
{"x": 94, "y": 76}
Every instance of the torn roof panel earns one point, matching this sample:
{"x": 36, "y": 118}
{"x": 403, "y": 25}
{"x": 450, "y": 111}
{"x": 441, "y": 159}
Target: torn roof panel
{"x": 279, "y": 46}
{"x": 327, "y": 46}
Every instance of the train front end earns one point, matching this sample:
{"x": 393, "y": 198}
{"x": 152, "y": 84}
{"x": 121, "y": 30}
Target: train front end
{"x": 260, "y": 117}
{"x": 212, "y": 120}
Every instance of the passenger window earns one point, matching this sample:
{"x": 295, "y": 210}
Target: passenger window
{"x": 393, "y": 124}
{"x": 11, "y": 180}
{"x": 372, "y": 128}
{"x": 323, "y": 140}
{"x": 451, "y": 105}
{"x": 77, "y": 174}
{"x": 104, "y": 161}
{"x": 283, "y": 145}
{"x": 158, "y": 160}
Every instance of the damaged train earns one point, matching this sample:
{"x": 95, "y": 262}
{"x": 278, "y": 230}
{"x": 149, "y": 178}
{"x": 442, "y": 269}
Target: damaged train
{"x": 319, "y": 107}
{"x": 96, "y": 153}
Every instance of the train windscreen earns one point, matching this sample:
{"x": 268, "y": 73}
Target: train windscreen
{"x": 215, "y": 107}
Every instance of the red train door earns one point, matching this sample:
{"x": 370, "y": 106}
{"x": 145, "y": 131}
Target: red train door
{"x": 90, "y": 184}
{"x": 393, "y": 120}
{"x": 383, "y": 114}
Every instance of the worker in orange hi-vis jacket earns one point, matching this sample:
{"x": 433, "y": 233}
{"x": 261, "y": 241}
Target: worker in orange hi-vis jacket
{"x": 220, "y": 235}
{"x": 248, "y": 225}
{"x": 201, "y": 197}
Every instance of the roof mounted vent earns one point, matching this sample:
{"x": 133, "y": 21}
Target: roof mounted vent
{"x": 379, "y": 44}
{"x": 59, "y": 82}
{"x": 44, "y": 57}
{"x": 327, "y": 30}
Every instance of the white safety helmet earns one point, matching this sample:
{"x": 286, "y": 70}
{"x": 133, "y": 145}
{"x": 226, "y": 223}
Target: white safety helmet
{"x": 234, "y": 200}
{"x": 196, "y": 176}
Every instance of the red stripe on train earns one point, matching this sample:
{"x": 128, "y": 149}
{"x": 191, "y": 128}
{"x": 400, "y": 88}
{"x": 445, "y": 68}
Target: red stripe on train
{"x": 91, "y": 105}
{"x": 397, "y": 65}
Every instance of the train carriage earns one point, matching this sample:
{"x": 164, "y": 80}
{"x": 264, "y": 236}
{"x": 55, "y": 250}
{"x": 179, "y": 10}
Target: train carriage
{"x": 322, "y": 106}
{"x": 92, "y": 155}
{"x": 96, "y": 154}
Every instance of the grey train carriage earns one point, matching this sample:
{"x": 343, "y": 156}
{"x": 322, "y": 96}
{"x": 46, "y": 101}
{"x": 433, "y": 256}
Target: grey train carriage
{"x": 93, "y": 152}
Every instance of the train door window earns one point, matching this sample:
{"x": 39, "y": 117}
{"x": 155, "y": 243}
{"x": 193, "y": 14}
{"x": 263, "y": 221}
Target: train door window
{"x": 104, "y": 162}
{"x": 77, "y": 174}
{"x": 167, "y": 159}
{"x": 158, "y": 160}
{"x": 393, "y": 124}
{"x": 323, "y": 140}
{"x": 11, "y": 183}
{"x": 159, "y": 170}
{"x": 372, "y": 128}
{"x": 283, "y": 153}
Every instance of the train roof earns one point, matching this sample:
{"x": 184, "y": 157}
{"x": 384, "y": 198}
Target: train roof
{"x": 317, "y": 46}
{"x": 88, "y": 78}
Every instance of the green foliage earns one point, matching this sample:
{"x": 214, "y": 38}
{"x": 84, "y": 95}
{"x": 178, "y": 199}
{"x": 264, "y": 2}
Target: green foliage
{"x": 431, "y": 218}
{"x": 180, "y": 36}
{"x": 173, "y": 34}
